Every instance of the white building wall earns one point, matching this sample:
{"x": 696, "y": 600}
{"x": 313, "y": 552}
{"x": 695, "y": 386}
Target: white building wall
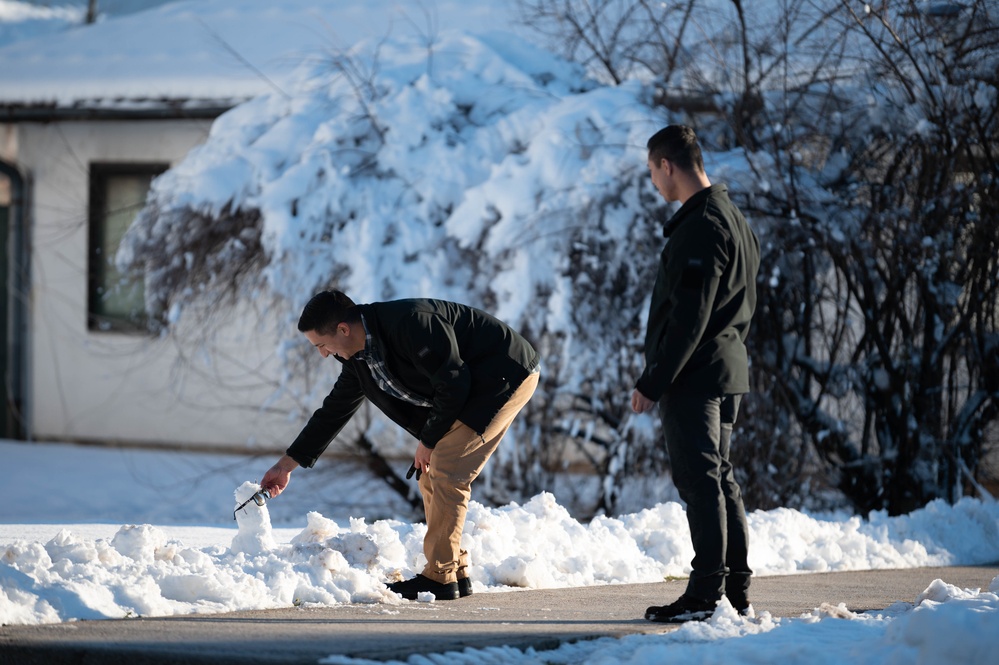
{"x": 129, "y": 388}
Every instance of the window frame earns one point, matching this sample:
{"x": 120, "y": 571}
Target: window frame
{"x": 100, "y": 174}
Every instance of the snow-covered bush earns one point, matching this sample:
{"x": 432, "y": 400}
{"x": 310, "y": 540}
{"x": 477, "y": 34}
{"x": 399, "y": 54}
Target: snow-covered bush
{"x": 476, "y": 169}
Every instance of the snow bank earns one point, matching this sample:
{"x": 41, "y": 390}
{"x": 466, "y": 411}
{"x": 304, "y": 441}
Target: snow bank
{"x": 142, "y": 572}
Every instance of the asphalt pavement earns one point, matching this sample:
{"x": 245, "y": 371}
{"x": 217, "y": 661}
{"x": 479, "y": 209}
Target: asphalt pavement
{"x": 542, "y": 619}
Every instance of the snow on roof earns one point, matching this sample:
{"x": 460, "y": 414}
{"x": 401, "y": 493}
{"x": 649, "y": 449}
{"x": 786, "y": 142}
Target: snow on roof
{"x": 210, "y": 52}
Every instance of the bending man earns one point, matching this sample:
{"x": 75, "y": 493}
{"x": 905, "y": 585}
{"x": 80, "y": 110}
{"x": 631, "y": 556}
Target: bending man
{"x": 451, "y": 375}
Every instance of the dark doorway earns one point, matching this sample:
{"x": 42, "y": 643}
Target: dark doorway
{"x": 6, "y": 420}
{"x": 14, "y": 267}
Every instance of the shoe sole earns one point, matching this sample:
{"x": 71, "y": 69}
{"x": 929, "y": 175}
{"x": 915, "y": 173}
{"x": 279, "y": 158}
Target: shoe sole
{"x": 464, "y": 590}
{"x": 441, "y": 592}
{"x": 679, "y": 618}
{"x": 416, "y": 596}
{"x": 665, "y": 614}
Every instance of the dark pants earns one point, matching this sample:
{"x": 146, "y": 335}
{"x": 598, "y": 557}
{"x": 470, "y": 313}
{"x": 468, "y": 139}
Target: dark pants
{"x": 698, "y": 431}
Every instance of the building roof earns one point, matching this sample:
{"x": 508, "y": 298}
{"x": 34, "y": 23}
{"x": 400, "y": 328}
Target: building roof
{"x": 197, "y": 57}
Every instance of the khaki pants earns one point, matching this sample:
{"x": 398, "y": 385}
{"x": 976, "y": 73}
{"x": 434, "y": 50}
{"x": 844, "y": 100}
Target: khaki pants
{"x": 456, "y": 461}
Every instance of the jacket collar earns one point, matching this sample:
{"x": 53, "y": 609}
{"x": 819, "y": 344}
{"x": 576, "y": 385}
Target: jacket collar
{"x": 691, "y": 204}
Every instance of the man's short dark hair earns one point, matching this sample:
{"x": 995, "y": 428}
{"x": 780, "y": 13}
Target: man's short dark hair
{"x": 677, "y": 144}
{"x": 326, "y": 310}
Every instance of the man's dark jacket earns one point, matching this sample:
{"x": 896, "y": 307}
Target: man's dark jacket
{"x": 703, "y": 300}
{"x": 463, "y": 360}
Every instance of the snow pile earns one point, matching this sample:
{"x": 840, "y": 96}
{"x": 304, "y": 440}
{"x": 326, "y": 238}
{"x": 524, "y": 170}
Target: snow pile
{"x": 140, "y": 571}
{"x": 255, "y": 536}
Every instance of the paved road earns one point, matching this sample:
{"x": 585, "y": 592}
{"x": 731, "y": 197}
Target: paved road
{"x": 538, "y": 618}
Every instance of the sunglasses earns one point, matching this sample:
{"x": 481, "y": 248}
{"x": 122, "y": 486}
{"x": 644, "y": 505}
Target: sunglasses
{"x": 260, "y": 498}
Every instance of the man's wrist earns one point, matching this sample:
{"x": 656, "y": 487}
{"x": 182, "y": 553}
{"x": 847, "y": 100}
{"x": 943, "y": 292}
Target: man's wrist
{"x": 287, "y": 464}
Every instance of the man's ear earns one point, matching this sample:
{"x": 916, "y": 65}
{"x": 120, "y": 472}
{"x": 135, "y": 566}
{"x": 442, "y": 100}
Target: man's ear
{"x": 343, "y": 328}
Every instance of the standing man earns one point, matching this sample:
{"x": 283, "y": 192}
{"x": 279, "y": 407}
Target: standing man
{"x": 697, "y": 367}
{"x": 451, "y": 375}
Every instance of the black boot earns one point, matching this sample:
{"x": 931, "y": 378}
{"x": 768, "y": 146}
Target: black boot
{"x": 410, "y": 589}
{"x": 683, "y": 609}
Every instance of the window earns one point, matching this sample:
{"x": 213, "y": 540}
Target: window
{"x": 117, "y": 193}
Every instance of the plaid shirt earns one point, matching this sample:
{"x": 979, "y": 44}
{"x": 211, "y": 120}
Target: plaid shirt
{"x": 381, "y": 374}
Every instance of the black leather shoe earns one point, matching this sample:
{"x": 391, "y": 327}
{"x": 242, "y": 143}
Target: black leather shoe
{"x": 410, "y": 589}
{"x": 683, "y": 609}
{"x": 741, "y": 604}
{"x": 465, "y": 586}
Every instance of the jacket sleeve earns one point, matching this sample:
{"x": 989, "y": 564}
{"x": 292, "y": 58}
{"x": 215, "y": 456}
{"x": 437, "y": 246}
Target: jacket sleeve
{"x": 324, "y": 425}
{"x": 429, "y": 341}
{"x": 694, "y": 271}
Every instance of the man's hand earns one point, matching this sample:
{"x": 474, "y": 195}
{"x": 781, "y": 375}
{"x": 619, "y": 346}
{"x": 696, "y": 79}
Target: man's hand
{"x": 422, "y": 458}
{"x": 277, "y": 477}
{"x": 640, "y": 403}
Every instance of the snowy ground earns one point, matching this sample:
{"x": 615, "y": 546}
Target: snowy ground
{"x": 93, "y": 533}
